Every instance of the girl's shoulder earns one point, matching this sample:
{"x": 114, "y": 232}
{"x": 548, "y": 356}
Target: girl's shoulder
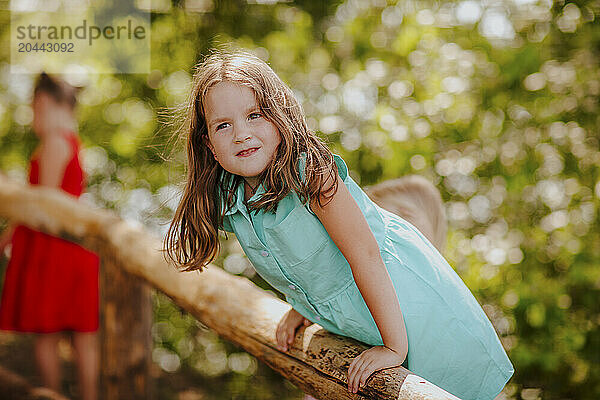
{"x": 36, "y": 153}
{"x": 339, "y": 161}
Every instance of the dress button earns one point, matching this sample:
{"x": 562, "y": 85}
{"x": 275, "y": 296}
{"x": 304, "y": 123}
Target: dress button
{"x": 264, "y": 253}
{"x": 292, "y": 287}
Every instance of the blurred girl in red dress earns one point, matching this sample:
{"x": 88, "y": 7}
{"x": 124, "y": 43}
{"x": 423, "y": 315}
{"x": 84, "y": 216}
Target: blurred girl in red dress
{"x": 51, "y": 285}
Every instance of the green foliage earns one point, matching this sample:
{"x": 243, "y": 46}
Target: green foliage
{"x": 504, "y": 121}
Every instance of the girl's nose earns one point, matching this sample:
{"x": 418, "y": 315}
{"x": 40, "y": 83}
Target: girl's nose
{"x": 242, "y": 138}
{"x": 241, "y": 135}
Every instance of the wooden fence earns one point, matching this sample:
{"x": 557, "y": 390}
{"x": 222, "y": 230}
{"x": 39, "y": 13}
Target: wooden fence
{"x": 232, "y": 306}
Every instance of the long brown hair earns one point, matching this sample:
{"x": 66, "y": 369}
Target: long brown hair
{"x": 192, "y": 239}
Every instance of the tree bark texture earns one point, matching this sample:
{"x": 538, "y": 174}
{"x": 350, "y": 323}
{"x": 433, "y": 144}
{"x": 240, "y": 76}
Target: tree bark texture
{"x": 126, "y": 341}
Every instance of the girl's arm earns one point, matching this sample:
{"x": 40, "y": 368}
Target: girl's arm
{"x": 348, "y": 228}
{"x": 53, "y": 158}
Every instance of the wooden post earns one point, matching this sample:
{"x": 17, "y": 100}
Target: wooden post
{"x": 125, "y": 326}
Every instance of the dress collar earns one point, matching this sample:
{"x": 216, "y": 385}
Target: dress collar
{"x": 239, "y": 205}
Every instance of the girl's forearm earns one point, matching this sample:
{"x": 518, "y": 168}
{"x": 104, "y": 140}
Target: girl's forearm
{"x": 341, "y": 215}
{"x": 375, "y": 285}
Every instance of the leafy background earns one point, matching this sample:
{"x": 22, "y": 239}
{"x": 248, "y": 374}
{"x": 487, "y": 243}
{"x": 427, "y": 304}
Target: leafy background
{"x": 495, "y": 101}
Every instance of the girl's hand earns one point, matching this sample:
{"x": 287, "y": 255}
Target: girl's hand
{"x": 369, "y": 361}
{"x": 5, "y": 239}
{"x": 286, "y": 329}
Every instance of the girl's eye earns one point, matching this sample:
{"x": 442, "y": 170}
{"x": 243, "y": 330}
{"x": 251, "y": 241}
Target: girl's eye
{"x": 223, "y": 125}
{"x": 255, "y": 115}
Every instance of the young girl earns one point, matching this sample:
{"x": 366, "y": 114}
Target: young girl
{"x": 51, "y": 285}
{"x": 256, "y": 170}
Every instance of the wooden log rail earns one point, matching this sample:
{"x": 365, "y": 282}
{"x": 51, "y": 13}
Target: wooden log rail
{"x": 14, "y": 386}
{"x": 232, "y": 306}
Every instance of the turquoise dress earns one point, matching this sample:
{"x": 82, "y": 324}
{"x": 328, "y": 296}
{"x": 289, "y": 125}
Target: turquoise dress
{"x": 451, "y": 342}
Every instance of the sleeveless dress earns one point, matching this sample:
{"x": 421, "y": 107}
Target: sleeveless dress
{"x": 451, "y": 342}
{"x": 51, "y": 284}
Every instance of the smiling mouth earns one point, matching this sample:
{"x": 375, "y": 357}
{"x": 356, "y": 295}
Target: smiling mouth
{"x": 246, "y": 153}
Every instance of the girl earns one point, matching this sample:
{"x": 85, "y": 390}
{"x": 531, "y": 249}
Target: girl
{"x": 51, "y": 285}
{"x": 256, "y": 170}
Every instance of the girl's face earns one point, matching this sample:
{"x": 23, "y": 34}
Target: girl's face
{"x": 49, "y": 116}
{"x": 243, "y": 140}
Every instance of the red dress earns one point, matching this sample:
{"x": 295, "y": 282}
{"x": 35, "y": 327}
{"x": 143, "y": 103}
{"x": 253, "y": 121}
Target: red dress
{"x": 51, "y": 284}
